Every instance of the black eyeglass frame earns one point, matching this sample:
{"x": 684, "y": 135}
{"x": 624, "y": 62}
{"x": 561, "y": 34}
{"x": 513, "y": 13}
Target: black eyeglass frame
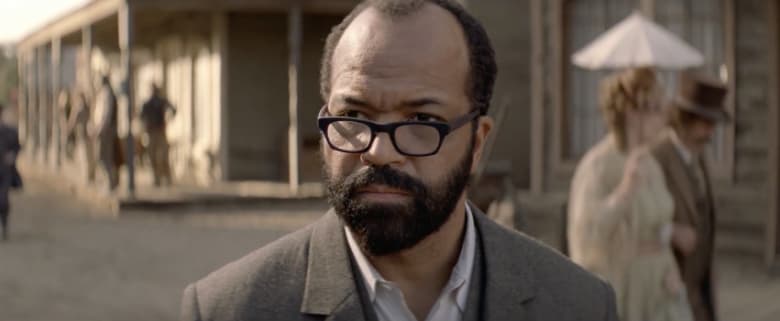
{"x": 442, "y": 128}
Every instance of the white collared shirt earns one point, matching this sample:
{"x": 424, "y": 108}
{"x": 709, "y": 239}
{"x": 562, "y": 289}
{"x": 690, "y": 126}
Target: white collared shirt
{"x": 683, "y": 150}
{"x": 388, "y": 300}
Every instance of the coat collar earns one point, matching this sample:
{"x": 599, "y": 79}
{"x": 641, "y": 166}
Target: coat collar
{"x": 509, "y": 284}
{"x": 502, "y": 283}
{"x": 330, "y": 288}
{"x": 679, "y": 175}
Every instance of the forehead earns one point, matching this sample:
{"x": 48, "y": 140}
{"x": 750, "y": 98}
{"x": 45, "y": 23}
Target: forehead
{"x": 425, "y": 47}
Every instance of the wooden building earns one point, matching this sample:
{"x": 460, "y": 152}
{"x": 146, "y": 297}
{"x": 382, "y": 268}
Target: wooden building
{"x": 244, "y": 75}
{"x": 738, "y": 40}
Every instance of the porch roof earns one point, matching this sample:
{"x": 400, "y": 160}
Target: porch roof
{"x": 97, "y": 10}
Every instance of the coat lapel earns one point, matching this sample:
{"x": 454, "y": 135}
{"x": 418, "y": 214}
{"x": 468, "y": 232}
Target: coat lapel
{"x": 679, "y": 177}
{"x": 507, "y": 281}
{"x": 502, "y": 285}
{"x": 330, "y": 288}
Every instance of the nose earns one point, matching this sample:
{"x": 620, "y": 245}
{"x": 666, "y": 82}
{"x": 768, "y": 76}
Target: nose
{"x": 382, "y": 152}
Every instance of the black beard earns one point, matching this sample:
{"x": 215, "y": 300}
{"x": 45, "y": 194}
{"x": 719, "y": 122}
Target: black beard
{"x": 382, "y": 229}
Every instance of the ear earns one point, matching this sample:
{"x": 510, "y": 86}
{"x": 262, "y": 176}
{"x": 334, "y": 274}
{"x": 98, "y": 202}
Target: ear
{"x": 484, "y": 128}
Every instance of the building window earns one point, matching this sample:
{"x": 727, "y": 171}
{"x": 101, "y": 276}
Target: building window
{"x": 701, "y": 24}
{"x": 585, "y": 20}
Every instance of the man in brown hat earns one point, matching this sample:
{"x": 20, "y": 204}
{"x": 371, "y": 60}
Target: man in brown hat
{"x": 694, "y": 113}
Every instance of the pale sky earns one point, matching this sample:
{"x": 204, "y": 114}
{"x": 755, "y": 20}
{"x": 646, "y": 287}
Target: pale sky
{"x": 20, "y": 17}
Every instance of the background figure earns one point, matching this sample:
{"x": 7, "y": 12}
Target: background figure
{"x": 695, "y": 111}
{"x": 78, "y": 123}
{"x": 104, "y": 130}
{"x": 9, "y": 148}
{"x": 67, "y": 137}
{"x": 620, "y": 213}
{"x": 153, "y": 116}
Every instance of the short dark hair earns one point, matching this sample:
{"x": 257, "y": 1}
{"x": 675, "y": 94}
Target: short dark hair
{"x": 482, "y": 62}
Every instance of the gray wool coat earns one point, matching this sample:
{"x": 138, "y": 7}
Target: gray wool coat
{"x": 310, "y": 275}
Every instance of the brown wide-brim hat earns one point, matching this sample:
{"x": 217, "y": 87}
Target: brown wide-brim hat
{"x": 702, "y": 96}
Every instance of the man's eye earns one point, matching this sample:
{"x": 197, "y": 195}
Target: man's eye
{"x": 351, "y": 114}
{"x": 426, "y": 117}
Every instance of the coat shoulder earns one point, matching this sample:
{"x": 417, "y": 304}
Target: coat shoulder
{"x": 555, "y": 272}
{"x": 269, "y": 279}
{"x": 564, "y": 290}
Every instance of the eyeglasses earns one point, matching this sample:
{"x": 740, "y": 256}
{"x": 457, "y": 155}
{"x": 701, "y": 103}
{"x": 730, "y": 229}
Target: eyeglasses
{"x": 410, "y": 138}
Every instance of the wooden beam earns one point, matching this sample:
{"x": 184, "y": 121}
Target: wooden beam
{"x": 87, "y": 43}
{"x": 295, "y": 38}
{"x": 648, "y": 8}
{"x": 219, "y": 43}
{"x": 537, "y": 98}
{"x": 44, "y": 103}
{"x": 70, "y": 22}
{"x": 772, "y": 239}
{"x": 557, "y": 85}
{"x": 126, "y": 25}
{"x": 21, "y": 110}
{"x": 307, "y": 6}
{"x": 55, "y": 73}
{"x": 32, "y": 103}
{"x": 729, "y": 130}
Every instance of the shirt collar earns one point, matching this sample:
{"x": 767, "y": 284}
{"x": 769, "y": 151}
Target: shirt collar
{"x": 683, "y": 150}
{"x": 460, "y": 278}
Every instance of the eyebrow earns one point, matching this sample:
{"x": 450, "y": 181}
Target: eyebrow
{"x": 349, "y": 100}
{"x": 421, "y": 102}
{"x": 414, "y": 103}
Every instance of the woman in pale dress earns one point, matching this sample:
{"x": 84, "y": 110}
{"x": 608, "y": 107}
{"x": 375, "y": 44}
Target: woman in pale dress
{"x": 620, "y": 212}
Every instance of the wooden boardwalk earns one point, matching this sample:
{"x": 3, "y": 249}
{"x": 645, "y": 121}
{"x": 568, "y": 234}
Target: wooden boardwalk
{"x": 746, "y": 292}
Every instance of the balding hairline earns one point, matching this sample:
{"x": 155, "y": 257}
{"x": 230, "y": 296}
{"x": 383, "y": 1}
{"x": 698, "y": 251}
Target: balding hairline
{"x": 397, "y": 8}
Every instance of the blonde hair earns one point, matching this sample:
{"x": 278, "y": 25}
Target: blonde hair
{"x": 619, "y": 93}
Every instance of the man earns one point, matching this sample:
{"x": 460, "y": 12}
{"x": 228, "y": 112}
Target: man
{"x": 78, "y": 123}
{"x": 153, "y": 114}
{"x": 9, "y": 149}
{"x": 695, "y": 111}
{"x": 407, "y": 85}
{"x": 105, "y": 131}
{"x": 67, "y": 137}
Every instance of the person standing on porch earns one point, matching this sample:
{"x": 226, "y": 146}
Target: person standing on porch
{"x": 694, "y": 113}
{"x": 153, "y": 116}
{"x": 65, "y": 107}
{"x": 620, "y": 211}
{"x": 78, "y": 124}
{"x": 105, "y": 132}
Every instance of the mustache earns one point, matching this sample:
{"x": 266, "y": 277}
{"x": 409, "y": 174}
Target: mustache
{"x": 384, "y": 175}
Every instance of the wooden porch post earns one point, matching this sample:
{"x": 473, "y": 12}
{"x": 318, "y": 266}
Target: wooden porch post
{"x": 21, "y": 112}
{"x": 86, "y": 56}
{"x": 126, "y": 26}
{"x": 219, "y": 42}
{"x": 537, "y": 98}
{"x": 772, "y": 249}
{"x": 647, "y": 7}
{"x": 33, "y": 101}
{"x": 57, "y": 114}
{"x": 43, "y": 105}
{"x": 295, "y": 36}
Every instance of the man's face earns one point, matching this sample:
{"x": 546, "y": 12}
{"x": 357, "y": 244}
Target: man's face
{"x": 698, "y": 134}
{"x": 385, "y": 70}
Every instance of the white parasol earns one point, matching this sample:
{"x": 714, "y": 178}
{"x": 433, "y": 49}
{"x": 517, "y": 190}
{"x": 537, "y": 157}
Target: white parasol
{"x": 637, "y": 42}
